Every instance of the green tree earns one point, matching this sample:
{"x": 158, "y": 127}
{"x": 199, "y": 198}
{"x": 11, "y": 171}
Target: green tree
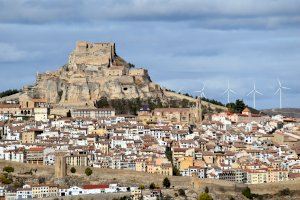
{"x": 236, "y": 107}
{"x": 152, "y": 186}
{"x": 181, "y": 192}
{"x": 206, "y": 190}
{"x": 168, "y": 153}
{"x": 8, "y": 169}
{"x": 239, "y": 105}
{"x": 185, "y": 103}
{"x": 205, "y": 196}
{"x": 247, "y": 193}
{"x": 141, "y": 187}
{"x": 73, "y": 170}
{"x": 176, "y": 171}
{"x": 8, "y": 92}
{"x": 102, "y": 103}
{"x": 88, "y": 171}
{"x": 166, "y": 183}
{"x": 285, "y": 192}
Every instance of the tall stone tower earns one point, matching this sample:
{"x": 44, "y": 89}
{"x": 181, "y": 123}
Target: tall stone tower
{"x": 199, "y": 111}
{"x": 60, "y": 165}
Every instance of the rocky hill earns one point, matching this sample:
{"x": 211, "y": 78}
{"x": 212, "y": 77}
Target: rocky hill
{"x": 94, "y": 70}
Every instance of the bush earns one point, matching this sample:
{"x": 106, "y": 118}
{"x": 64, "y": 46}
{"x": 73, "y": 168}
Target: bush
{"x": 5, "y": 180}
{"x": 141, "y": 187}
{"x": 8, "y": 169}
{"x": 205, "y": 196}
{"x": 73, "y": 170}
{"x": 166, "y": 183}
{"x": 152, "y": 186}
{"x": 181, "y": 192}
{"x": 206, "y": 190}
{"x": 247, "y": 193}
{"x": 285, "y": 192}
{"x": 88, "y": 171}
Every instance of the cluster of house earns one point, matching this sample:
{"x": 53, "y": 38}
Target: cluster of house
{"x": 249, "y": 148}
{"x": 41, "y": 191}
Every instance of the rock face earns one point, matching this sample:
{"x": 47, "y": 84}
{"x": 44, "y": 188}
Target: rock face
{"x": 94, "y": 70}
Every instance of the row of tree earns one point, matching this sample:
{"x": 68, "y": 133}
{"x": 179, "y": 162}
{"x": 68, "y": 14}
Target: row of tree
{"x": 132, "y": 106}
{"x": 8, "y": 92}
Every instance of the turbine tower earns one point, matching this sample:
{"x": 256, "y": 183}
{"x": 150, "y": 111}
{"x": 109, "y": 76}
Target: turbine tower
{"x": 228, "y": 91}
{"x": 254, "y": 92}
{"x": 201, "y": 92}
{"x": 279, "y": 90}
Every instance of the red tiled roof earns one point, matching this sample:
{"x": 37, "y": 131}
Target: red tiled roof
{"x": 36, "y": 149}
{"x": 90, "y": 187}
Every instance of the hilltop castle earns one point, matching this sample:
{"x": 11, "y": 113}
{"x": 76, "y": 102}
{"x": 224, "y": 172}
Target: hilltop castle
{"x": 94, "y": 70}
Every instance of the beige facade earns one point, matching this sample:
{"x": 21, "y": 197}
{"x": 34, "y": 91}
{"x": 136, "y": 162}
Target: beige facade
{"x": 10, "y": 109}
{"x": 174, "y": 115}
{"x": 41, "y": 114}
{"x": 29, "y": 136}
{"x": 77, "y": 160}
{"x": 93, "y": 113}
{"x": 44, "y": 191}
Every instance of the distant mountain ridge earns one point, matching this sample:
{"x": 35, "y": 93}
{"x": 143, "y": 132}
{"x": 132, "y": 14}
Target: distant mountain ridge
{"x": 288, "y": 112}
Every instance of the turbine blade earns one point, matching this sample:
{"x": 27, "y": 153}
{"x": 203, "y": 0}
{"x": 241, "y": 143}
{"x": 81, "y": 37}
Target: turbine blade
{"x": 285, "y": 88}
{"x": 277, "y": 91}
{"x": 232, "y": 91}
{"x": 258, "y": 92}
{"x": 250, "y": 92}
{"x": 279, "y": 82}
{"x": 225, "y": 92}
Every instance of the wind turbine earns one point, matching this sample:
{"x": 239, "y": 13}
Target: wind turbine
{"x": 201, "y": 92}
{"x": 254, "y": 92}
{"x": 280, "y": 92}
{"x": 228, "y": 91}
{"x": 179, "y": 90}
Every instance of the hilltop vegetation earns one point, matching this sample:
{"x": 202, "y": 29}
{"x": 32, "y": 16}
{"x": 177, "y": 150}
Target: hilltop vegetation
{"x": 9, "y": 92}
{"x": 132, "y": 106}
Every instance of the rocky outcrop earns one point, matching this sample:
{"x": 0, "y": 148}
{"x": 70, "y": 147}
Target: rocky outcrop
{"x": 94, "y": 70}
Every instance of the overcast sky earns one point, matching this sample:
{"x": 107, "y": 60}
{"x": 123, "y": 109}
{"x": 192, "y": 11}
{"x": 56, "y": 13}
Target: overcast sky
{"x": 183, "y": 44}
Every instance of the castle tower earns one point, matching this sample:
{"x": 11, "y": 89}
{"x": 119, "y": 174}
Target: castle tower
{"x": 199, "y": 111}
{"x": 60, "y": 165}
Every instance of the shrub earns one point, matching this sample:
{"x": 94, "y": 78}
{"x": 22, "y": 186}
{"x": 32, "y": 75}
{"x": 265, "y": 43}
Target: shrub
{"x": 206, "y": 190}
{"x": 73, "y": 170}
{"x": 166, "y": 183}
{"x": 152, "y": 186}
{"x": 205, "y": 196}
{"x": 5, "y": 180}
{"x": 88, "y": 171}
{"x": 285, "y": 192}
{"x": 247, "y": 193}
{"x": 181, "y": 192}
{"x": 141, "y": 187}
{"x": 8, "y": 169}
